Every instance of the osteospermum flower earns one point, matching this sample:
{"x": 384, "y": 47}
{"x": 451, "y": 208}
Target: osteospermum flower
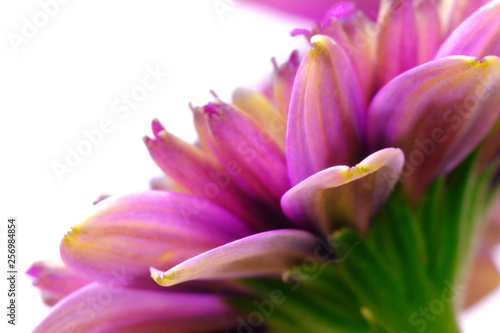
{"x": 353, "y": 200}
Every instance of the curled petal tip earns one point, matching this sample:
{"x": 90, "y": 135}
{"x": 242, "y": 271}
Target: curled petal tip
{"x": 160, "y": 277}
{"x": 156, "y": 126}
{"x": 344, "y": 195}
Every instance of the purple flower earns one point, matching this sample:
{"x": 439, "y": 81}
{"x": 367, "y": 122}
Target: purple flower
{"x": 370, "y": 105}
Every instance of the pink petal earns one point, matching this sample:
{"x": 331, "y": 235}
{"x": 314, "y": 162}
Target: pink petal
{"x": 283, "y": 78}
{"x": 201, "y": 174}
{"x": 343, "y": 195}
{"x": 455, "y": 12}
{"x": 237, "y": 139}
{"x": 55, "y": 281}
{"x": 356, "y": 33}
{"x": 409, "y": 35}
{"x": 437, "y": 114}
{"x": 128, "y": 234}
{"x": 261, "y": 110}
{"x": 478, "y": 36}
{"x": 326, "y": 112}
{"x": 267, "y": 253}
{"x": 112, "y": 308}
{"x": 316, "y": 9}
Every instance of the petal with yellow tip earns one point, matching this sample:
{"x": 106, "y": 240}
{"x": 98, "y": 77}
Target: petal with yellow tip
{"x": 265, "y": 254}
{"x": 342, "y": 195}
{"x": 125, "y": 235}
{"x": 325, "y": 122}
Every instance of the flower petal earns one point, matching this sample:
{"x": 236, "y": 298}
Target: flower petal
{"x": 128, "y": 234}
{"x": 55, "y": 280}
{"x": 259, "y": 107}
{"x": 343, "y": 195}
{"x": 325, "y": 122}
{"x": 315, "y": 9}
{"x": 283, "y": 78}
{"x": 108, "y": 309}
{"x": 437, "y": 114}
{"x": 356, "y": 33}
{"x": 478, "y": 36}
{"x": 201, "y": 174}
{"x": 409, "y": 35}
{"x": 455, "y": 12}
{"x": 236, "y": 138}
{"x": 267, "y": 253}
{"x": 484, "y": 278}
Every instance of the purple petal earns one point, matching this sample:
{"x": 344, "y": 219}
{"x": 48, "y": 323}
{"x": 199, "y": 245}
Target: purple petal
{"x": 478, "y": 36}
{"x": 343, "y": 195}
{"x": 283, "y": 78}
{"x": 455, "y": 12}
{"x": 267, "y": 253}
{"x": 356, "y": 33}
{"x": 437, "y": 114}
{"x": 237, "y": 139}
{"x": 261, "y": 110}
{"x": 409, "y": 35}
{"x": 55, "y": 281}
{"x": 202, "y": 175}
{"x": 326, "y": 112}
{"x": 102, "y": 309}
{"x": 126, "y": 235}
{"x": 315, "y": 9}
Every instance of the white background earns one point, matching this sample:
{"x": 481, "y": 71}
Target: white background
{"x": 65, "y": 79}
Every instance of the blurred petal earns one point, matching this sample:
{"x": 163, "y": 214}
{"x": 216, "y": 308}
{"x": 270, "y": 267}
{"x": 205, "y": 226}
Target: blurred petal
{"x": 455, "y": 12}
{"x": 283, "y": 78}
{"x": 478, "y": 36}
{"x": 326, "y": 112}
{"x": 437, "y": 114}
{"x": 267, "y": 253}
{"x": 260, "y": 108}
{"x": 490, "y": 149}
{"x": 128, "y": 234}
{"x": 55, "y": 281}
{"x": 409, "y": 35}
{"x": 484, "y": 278}
{"x": 342, "y": 195}
{"x": 201, "y": 174}
{"x": 165, "y": 183}
{"x": 315, "y": 9}
{"x": 106, "y": 309}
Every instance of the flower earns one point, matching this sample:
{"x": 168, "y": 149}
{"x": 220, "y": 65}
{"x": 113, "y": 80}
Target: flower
{"x": 375, "y": 124}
